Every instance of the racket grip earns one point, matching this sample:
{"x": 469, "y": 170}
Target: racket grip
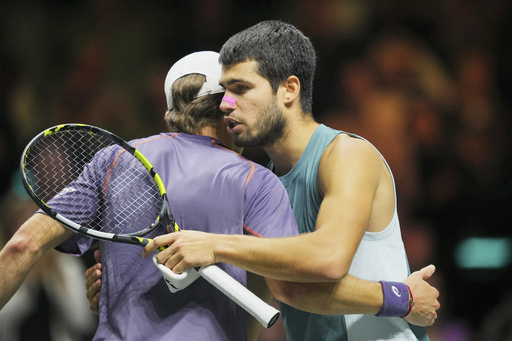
{"x": 262, "y": 311}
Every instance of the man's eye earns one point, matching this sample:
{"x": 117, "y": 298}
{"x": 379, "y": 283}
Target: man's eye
{"x": 240, "y": 88}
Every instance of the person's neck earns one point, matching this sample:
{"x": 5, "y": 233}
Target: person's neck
{"x": 220, "y": 133}
{"x": 208, "y": 131}
{"x": 287, "y": 151}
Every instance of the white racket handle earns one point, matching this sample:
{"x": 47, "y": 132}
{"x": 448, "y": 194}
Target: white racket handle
{"x": 262, "y": 311}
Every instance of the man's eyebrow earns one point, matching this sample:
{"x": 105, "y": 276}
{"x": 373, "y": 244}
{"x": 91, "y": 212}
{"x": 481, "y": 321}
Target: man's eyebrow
{"x": 232, "y": 81}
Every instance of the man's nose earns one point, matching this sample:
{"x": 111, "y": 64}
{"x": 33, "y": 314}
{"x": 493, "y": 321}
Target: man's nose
{"x": 228, "y": 103}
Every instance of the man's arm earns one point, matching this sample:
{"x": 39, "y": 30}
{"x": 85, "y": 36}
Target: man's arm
{"x": 350, "y": 177}
{"x": 349, "y": 295}
{"x": 352, "y": 295}
{"x": 323, "y": 255}
{"x": 33, "y": 239}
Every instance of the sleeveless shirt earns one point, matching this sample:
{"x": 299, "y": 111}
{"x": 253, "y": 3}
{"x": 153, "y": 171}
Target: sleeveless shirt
{"x": 380, "y": 256}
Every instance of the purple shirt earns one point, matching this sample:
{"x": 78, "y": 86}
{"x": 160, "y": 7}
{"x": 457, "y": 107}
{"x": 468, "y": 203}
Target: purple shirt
{"x": 211, "y": 189}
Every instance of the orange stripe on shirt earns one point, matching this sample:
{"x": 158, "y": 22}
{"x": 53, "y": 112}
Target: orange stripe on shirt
{"x": 157, "y": 138}
{"x": 109, "y": 173}
{"x": 254, "y": 233}
{"x": 253, "y": 169}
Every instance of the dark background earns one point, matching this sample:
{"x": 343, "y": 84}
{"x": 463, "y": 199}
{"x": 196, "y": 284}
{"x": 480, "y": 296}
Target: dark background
{"x": 427, "y": 82}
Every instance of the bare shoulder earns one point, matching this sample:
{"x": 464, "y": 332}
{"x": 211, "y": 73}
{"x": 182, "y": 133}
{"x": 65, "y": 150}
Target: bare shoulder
{"x": 349, "y": 161}
{"x": 348, "y": 148}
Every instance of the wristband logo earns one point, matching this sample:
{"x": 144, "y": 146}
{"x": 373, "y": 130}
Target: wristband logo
{"x": 396, "y": 291}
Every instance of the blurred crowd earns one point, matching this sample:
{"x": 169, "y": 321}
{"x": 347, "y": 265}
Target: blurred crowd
{"x": 427, "y": 82}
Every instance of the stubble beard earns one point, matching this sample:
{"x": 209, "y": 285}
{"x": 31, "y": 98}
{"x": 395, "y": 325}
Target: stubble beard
{"x": 268, "y": 129}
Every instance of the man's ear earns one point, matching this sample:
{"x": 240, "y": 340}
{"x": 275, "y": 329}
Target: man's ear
{"x": 291, "y": 90}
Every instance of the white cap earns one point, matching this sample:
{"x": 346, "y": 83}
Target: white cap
{"x": 205, "y": 63}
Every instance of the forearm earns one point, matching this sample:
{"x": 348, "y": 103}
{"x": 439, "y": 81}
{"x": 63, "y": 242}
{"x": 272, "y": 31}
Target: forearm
{"x": 304, "y": 258}
{"x": 16, "y": 262}
{"x": 350, "y": 295}
{"x": 33, "y": 239}
{"x": 13, "y": 272}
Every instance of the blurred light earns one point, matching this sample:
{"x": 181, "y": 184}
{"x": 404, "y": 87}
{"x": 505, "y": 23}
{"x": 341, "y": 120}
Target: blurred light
{"x": 483, "y": 253}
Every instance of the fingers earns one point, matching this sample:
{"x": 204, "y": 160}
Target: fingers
{"x": 163, "y": 240}
{"x": 93, "y": 289}
{"x": 93, "y": 276}
{"x": 149, "y": 248}
{"x": 174, "y": 263}
{"x": 93, "y": 296}
{"x": 183, "y": 250}
{"x": 93, "y": 285}
{"x": 167, "y": 256}
{"x": 94, "y": 304}
{"x": 428, "y": 271}
{"x": 424, "y": 311}
{"x": 97, "y": 256}
{"x": 94, "y": 272}
{"x": 89, "y": 271}
{"x": 424, "y": 317}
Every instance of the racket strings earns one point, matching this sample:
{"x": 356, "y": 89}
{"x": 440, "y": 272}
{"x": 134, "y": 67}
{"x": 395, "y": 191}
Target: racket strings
{"x": 133, "y": 197}
{"x": 117, "y": 193}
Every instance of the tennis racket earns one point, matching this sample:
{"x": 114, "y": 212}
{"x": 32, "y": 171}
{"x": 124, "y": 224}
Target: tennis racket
{"x": 95, "y": 183}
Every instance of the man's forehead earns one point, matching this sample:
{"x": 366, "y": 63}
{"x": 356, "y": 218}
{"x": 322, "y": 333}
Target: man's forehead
{"x": 242, "y": 72}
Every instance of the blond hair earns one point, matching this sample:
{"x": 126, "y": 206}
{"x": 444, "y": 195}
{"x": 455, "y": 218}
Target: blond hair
{"x": 189, "y": 114}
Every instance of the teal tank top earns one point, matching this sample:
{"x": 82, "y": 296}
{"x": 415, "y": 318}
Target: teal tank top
{"x": 302, "y": 187}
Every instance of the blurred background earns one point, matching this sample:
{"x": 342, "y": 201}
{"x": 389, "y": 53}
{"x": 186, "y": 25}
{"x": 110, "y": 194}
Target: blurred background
{"x": 428, "y": 82}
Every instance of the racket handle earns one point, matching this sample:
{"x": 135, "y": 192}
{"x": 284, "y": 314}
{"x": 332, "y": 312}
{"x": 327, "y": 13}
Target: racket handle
{"x": 263, "y": 312}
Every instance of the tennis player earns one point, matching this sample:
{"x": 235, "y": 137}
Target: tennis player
{"x": 343, "y": 196}
{"x": 210, "y": 187}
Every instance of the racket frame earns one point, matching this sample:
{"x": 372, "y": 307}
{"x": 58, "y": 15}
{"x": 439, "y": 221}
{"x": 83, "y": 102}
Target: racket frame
{"x": 165, "y": 217}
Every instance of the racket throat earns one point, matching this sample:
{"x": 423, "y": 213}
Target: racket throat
{"x": 166, "y": 218}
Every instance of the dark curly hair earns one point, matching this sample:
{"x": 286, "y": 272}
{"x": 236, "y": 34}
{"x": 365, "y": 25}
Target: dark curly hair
{"x": 280, "y": 50}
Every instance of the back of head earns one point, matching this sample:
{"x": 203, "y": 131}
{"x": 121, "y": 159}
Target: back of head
{"x": 193, "y": 93}
{"x": 190, "y": 114}
{"x": 281, "y": 51}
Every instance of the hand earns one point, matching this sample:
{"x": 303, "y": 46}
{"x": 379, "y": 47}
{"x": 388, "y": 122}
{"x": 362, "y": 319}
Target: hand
{"x": 423, "y": 313}
{"x": 176, "y": 282}
{"x": 93, "y": 283}
{"x": 185, "y": 250}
